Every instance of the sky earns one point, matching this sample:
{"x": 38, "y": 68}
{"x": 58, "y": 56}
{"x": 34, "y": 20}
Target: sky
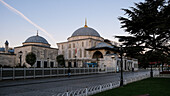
{"x": 56, "y": 20}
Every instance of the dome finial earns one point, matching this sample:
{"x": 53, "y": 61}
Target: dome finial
{"x": 37, "y": 32}
{"x": 85, "y": 23}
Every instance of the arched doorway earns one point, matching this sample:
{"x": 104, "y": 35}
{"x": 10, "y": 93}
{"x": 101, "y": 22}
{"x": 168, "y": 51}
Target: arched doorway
{"x": 97, "y": 54}
{"x": 69, "y": 64}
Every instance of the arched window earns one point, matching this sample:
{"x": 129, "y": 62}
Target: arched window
{"x": 74, "y": 53}
{"x": 62, "y": 47}
{"x": 63, "y": 52}
{"x": 80, "y": 53}
{"x": 45, "y": 54}
{"x": 84, "y": 53}
{"x": 69, "y": 52}
{"x": 82, "y": 44}
{"x": 69, "y": 46}
{"x": 38, "y": 54}
{"x": 73, "y": 45}
{"x": 95, "y": 43}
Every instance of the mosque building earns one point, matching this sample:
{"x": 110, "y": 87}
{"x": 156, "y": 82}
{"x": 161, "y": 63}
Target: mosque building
{"x": 74, "y": 50}
{"x": 86, "y": 48}
{"x": 45, "y": 55}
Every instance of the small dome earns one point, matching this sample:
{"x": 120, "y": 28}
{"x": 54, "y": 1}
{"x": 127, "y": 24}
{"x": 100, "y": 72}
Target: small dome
{"x": 36, "y": 39}
{"x": 86, "y": 31}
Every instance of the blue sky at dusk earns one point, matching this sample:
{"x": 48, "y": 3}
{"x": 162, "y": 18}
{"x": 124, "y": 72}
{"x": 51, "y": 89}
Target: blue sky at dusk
{"x": 60, "y": 18}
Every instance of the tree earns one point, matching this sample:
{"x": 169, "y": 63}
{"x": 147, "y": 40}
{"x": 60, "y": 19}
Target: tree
{"x": 148, "y": 23}
{"x": 30, "y": 58}
{"x": 60, "y": 60}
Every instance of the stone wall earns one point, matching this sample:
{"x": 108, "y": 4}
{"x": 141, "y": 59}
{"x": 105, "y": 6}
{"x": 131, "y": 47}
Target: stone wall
{"x": 25, "y": 50}
{"x": 43, "y": 54}
{"x": 7, "y": 60}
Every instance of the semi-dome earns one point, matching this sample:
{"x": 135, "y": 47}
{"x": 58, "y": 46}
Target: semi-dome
{"x": 86, "y": 31}
{"x": 36, "y": 40}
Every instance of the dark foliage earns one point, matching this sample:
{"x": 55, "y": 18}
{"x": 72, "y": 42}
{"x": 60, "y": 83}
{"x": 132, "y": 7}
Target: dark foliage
{"x": 60, "y": 60}
{"x": 149, "y": 24}
{"x": 30, "y": 58}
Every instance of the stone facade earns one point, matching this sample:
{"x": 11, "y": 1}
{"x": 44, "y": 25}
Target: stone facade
{"x": 7, "y": 60}
{"x": 75, "y": 50}
{"x": 46, "y": 57}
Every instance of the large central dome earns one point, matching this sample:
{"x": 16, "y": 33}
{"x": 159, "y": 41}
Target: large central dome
{"x": 86, "y": 31}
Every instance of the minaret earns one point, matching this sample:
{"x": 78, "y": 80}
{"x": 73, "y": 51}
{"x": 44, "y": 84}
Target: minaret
{"x": 6, "y": 46}
{"x": 85, "y": 23}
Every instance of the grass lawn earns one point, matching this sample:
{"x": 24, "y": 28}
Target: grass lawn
{"x": 152, "y": 86}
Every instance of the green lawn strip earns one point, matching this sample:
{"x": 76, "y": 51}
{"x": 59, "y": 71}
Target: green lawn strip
{"x": 152, "y": 86}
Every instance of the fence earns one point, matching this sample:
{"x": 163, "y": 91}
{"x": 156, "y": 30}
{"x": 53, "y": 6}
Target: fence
{"x": 104, "y": 87}
{"x": 23, "y": 73}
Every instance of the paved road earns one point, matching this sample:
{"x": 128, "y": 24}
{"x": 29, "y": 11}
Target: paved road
{"x": 51, "y": 86}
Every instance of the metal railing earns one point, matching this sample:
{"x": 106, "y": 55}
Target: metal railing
{"x": 104, "y": 87}
{"x": 23, "y": 73}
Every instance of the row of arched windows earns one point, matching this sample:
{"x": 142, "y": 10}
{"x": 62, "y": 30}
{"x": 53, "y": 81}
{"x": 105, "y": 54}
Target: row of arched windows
{"x": 45, "y": 54}
{"x": 73, "y": 45}
{"x": 80, "y": 53}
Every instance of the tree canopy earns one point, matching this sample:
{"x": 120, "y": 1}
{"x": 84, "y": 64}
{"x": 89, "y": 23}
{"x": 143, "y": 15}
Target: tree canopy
{"x": 60, "y": 60}
{"x": 30, "y": 58}
{"x": 148, "y": 23}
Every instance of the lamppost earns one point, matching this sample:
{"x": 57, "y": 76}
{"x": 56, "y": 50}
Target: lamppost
{"x": 151, "y": 71}
{"x": 20, "y": 56}
{"x": 121, "y": 65}
{"x": 113, "y": 58}
{"x": 75, "y": 65}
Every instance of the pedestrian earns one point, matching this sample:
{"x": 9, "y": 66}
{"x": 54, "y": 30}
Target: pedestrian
{"x": 69, "y": 72}
{"x": 132, "y": 69}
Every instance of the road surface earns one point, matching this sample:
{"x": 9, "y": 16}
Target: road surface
{"x": 55, "y": 85}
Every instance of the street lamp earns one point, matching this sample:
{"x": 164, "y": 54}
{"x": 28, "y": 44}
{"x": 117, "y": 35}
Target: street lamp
{"x": 75, "y": 64}
{"x": 121, "y": 65}
{"x": 20, "y": 56}
{"x": 113, "y": 58}
{"x": 151, "y": 71}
